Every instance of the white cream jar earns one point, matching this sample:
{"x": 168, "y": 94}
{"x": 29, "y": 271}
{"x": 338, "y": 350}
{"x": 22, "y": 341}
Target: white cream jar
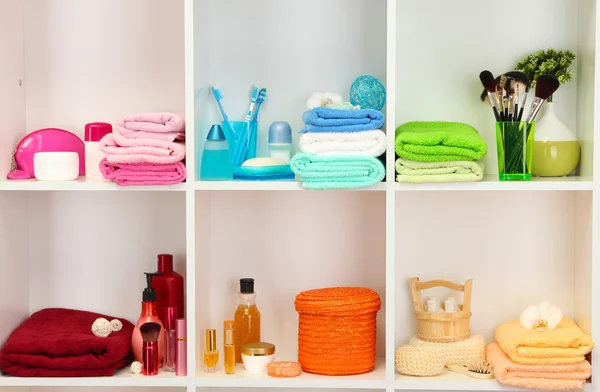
{"x": 256, "y": 356}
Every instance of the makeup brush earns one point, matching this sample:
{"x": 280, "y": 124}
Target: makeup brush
{"x": 487, "y": 79}
{"x": 545, "y": 86}
{"x": 150, "y": 333}
{"x": 524, "y": 102}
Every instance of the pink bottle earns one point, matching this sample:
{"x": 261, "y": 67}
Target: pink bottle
{"x": 148, "y": 315}
{"x": 180, "y": 348}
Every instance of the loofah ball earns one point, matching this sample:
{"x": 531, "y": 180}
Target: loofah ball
{"x": 419, "y": 360}
{"x": 116, "y": 325}
{"x": 101, "y": 327}
{"x": 368, "y": 92}
{"x": 136, "y": 367}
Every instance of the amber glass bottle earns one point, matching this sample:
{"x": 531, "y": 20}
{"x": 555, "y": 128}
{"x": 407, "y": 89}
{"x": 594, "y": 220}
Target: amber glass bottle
{"x": 247, "y": 318}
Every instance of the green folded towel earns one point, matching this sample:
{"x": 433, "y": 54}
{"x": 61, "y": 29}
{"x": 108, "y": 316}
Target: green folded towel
{"x": 423, "y": 172}
{"x": 337, "y": 171}
{"x": 439, "y": 142}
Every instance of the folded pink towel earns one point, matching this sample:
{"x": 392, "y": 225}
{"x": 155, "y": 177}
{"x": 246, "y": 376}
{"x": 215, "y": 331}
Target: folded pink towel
{"x": 162, "y": 126}
{"x": 143, "y": 173}
{"x": 119, "y": 149}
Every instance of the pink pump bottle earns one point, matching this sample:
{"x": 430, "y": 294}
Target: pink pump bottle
{"x": 148, "y": 315}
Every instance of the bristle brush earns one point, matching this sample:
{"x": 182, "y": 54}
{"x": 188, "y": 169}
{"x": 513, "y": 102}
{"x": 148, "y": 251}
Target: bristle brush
{"x": 545, "y": 86}
{"x": 524, "y": 102}
{"x": 150, "y": 333}
{"x": 487, "y": 79}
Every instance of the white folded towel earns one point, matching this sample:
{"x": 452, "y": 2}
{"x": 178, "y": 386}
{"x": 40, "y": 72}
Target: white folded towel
{"x": 369, "y": 143}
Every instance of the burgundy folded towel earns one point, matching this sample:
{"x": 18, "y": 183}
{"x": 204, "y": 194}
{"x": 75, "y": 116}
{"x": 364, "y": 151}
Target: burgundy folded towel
{"x": 59, "y": 343}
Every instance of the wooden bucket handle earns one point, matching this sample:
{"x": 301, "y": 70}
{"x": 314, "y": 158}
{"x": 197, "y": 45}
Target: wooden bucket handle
{"x": 416, "y": 287}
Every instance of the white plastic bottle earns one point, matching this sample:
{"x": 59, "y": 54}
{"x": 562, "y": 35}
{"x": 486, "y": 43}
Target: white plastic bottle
{"x": 93, "y": 133}
{"x": 280, "y": 141}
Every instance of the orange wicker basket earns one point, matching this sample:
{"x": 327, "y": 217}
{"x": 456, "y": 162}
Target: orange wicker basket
{"x": 337, "y": 330}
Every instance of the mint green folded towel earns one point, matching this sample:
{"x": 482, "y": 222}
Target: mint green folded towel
{"x": 337, "y": 171}
{"x": 439, "y": 142}
{"x": 426, "y": 172}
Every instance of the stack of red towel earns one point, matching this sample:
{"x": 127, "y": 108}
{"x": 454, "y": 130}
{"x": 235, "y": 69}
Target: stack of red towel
{"x": 147, "y": 150}
{"x": 59, "y": 343}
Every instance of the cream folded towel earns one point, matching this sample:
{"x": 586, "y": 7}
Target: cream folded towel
{"x": 370, "y": 143}
{"x": 451, "y": 171}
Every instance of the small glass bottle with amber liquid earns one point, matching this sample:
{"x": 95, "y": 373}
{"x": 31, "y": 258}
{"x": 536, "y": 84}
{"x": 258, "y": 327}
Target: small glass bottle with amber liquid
{"x": 211, "y": 355}
{"x": 229, "y": 347}
{"x": 247, "y": 318}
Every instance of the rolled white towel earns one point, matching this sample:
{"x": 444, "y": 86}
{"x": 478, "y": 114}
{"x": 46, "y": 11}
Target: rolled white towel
{"x": 370, "y": 143}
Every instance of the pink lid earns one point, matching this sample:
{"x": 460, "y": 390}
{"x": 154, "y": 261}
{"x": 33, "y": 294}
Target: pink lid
{"x": 171, "y": 317}
{"x": 96, "y": 131}
{"x": 180, "y": 329}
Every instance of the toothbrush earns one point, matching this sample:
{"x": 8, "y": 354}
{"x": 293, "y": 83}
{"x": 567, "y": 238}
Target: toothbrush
{"x": 245, "y": 137}
{"x": 262, "y": 95}
{"x": 218, "y": 97}
{"x": 252, "y": 107}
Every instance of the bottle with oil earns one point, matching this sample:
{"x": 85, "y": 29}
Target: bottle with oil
{"x": 229, "y": 346}
{"x": 247, "y": 318}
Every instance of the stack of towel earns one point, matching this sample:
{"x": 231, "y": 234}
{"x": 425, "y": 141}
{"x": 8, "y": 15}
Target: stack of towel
{"x": 439, "y": 152}
{"x": 147, "y": 150}
{"x": 60, "y": 343}
{"x": 339, "y": 149}
{"x": 548, "y": 360}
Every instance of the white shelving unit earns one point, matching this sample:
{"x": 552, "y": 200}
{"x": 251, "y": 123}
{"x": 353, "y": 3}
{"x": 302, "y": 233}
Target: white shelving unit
{"x": 85, "y": 245}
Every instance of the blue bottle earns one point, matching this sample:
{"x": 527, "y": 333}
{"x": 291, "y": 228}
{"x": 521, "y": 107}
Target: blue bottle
{"x": 216, "y": 161}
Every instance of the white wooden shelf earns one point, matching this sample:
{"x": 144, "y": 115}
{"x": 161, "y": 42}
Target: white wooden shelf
{"x": 82, "y": 185}
{"x": 372, "y": 380}
{"x": 491, "y": 183}
{"x": 450, "y": 381}
{"x": 85, "y": 245}
{"x": 123, "y": 378}
{"x": 267, "y": 186}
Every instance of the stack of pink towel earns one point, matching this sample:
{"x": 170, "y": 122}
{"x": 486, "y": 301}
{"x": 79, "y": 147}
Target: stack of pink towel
{"x": 147, "y": 150}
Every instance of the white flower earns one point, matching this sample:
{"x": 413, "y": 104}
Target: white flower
{"x": 317, "y": 100}
{"x": 543, "y": 317}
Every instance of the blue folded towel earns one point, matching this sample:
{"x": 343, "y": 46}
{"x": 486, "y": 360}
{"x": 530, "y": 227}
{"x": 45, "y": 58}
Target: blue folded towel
{"x": 337, "y": 120}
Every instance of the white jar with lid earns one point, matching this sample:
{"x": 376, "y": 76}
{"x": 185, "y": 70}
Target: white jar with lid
{"x": 256, "y": 356}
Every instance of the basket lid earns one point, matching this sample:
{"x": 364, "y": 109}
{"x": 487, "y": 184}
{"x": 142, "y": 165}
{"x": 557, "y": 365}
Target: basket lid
{"x": 338, "y": 300}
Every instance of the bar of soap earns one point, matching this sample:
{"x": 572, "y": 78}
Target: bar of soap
{"x": 264, "y": 161}
{"x": 284, "y": 369}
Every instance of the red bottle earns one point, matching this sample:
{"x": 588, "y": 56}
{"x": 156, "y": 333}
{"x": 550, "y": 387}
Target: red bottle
{"x": 169, "y": 288}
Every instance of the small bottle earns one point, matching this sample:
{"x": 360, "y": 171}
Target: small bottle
{"x": 450, "y": 305}
{"x": 211, "y": 355}
{"x": 170, "y": 339}
{"x": 433, "y": 305}
{"x": 247, "y": 318}
{"x": 216, "y": 160}
{"x": 180, "y": 347}
{"x": 280, "y": 141}
{"x": 92, "y": 135}
{"x": 229, "y": 347}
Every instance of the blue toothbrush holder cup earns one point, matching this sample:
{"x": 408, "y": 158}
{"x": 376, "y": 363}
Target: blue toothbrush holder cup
{"x": 241, "y": 139}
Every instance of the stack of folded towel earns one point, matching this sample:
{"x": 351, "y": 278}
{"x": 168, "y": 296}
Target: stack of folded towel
{"x": 339, "y": 149}
{"x": 547, "y": 360}
{"x": 439, "y": 152}
{"x": 60, "y": 343}
{"x": 147, "y": 150}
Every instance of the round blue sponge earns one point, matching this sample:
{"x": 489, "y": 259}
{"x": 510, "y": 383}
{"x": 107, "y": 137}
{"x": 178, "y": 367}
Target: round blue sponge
{"x": 368, "y": 92}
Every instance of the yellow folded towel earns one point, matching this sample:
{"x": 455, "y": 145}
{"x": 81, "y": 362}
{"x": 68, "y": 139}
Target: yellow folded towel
{"x": 566, "y": 344}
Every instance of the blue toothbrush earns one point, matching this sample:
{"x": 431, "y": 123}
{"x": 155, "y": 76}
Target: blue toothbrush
{"x": 244, "y": 140}
{"x": 252, "y": 107}
{"x": 262, "y": 95}
{"x": 218, "y": 97}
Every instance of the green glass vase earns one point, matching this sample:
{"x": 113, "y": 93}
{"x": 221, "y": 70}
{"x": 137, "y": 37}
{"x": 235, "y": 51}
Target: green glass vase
{"x": 514, "y": 141}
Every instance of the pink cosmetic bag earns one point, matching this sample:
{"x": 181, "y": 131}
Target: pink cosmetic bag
{"x": 44, "y": 140}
